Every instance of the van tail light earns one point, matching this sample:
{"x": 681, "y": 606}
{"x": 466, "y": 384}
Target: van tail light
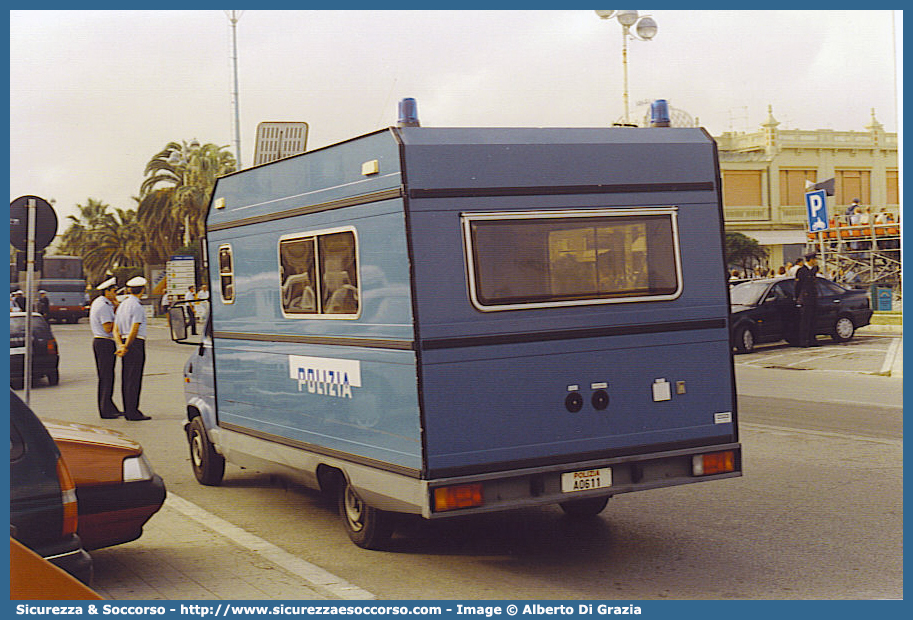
{"x": 458, "y": 496}
{"x": 52, "y": 347}
{"x": 713, "y": 463}
{"x": 68, "y": 493}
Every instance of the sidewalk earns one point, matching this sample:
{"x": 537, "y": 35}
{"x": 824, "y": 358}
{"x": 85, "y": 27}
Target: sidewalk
{"x": 186, "y": 553}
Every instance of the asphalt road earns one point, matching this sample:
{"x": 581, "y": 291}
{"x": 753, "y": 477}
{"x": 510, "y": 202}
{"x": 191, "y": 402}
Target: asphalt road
{"x": 817, "y": 515}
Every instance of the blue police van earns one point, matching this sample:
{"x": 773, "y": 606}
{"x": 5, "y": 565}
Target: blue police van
{"x": 449, "y": 321}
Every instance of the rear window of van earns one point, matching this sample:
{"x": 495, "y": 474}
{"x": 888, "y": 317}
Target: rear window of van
{"x": 561, "y": 258}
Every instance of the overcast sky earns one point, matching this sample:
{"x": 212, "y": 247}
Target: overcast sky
{"x": 94, "y": 95}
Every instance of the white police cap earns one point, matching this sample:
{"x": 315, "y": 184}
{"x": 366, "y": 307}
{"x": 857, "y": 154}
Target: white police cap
{"x": 137, "y": 281}
{"x": 107, "y": 284}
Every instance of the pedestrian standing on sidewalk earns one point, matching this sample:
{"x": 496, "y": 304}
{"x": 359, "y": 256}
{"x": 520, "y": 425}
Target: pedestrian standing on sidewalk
{"x": 101, "y": 320}
{"x": 131, "y": 320}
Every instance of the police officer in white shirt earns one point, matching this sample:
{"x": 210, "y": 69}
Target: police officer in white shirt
{"x": 130, "y": 336}
{"x": 101, "y": 319}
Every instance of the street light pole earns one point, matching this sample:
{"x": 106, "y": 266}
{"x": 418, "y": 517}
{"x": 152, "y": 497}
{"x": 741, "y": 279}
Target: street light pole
{"x": 645, "y": 29}
{"x": 624, "y": 63}
{"x": 233, "y": 17}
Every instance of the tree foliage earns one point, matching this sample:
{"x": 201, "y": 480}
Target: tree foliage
{"x": 105, "y": 239}
{"x": 175, "y": 193}
{"x": 170, "y": 212}
{"x": 744, "y": 251}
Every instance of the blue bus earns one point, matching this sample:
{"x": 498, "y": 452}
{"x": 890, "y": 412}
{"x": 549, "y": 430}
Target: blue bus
{"x": 63, "y": 280}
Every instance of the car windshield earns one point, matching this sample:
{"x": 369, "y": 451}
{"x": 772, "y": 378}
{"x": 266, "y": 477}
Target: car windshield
{"x": 747, "y": 293}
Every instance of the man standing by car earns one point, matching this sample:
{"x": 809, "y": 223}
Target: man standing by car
{"x": 807, "y": 299}
{"x": 130, "y": 319}
{"x": 101, "y": 320}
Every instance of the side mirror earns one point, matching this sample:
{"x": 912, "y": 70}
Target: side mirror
{"x": 177, "y": 322}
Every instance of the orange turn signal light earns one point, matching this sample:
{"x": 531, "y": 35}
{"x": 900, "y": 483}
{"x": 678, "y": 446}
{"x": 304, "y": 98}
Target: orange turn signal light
{"x": 459, "y": 496}
{"x": 713, "y": 463}
{"x": 68, "y": 492}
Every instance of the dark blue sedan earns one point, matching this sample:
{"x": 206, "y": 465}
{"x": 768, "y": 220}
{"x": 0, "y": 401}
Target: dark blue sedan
{"x": 765, "y": 311}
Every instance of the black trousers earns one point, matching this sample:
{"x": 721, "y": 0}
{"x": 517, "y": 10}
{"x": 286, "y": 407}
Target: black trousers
{"x": 131, "y": 377}
{"x": 807, "y": 322}
{"x": 104, "y": 349}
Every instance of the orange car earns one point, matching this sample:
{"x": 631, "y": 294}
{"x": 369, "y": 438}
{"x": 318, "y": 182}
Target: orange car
{"x": 116, "y": 489}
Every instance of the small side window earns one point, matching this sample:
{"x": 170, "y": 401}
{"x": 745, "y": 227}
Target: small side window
{"x": 319, "y": 275}
{"x": 226, "y": 274}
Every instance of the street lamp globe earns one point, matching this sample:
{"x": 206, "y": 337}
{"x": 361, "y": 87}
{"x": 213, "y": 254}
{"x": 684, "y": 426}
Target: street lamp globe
{"x": 605, "y": 14}
{"x": 646, "y": 28}
{"x": 627, "y": 18}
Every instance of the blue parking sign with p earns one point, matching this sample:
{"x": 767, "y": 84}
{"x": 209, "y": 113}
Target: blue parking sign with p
{"x": 816, "y": 205}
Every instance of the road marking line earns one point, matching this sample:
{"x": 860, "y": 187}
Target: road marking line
{"x": 831, "y": 435}
{"x": 320, "y": 579}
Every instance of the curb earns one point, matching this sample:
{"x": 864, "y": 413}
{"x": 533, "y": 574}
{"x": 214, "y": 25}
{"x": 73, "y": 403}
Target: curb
{"x": 893, "y": 360}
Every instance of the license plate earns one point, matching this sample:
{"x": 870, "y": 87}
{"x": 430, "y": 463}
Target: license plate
{"x": 586, "y": 480}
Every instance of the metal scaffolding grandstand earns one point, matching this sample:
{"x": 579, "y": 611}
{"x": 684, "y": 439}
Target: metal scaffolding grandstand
{"x": 860, "y": 254}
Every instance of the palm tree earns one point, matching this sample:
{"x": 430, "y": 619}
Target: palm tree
{"x": 176, "y": 191}
{"x": 116, "y": 242}
{"x": 91, "y": 215}
{"x": 103, "y": 239}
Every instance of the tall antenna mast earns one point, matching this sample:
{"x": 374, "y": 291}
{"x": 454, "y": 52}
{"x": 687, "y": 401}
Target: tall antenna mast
{"x": 233, "y": 17}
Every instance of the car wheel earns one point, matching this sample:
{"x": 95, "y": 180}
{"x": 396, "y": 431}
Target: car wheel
{"x": 843, "y": 329}
{"x": 53, "y": 377}
{"x": 589, "y": 507}
{"x": 208, "y": 465}
{"x": 744, "y": 339}
{"x": 367, "y": 527}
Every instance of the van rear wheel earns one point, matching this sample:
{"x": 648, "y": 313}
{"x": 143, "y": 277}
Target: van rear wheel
{"x": 367, "y": 527}
{"x": 588, "y": 507}
{"x": 208, "y": 465}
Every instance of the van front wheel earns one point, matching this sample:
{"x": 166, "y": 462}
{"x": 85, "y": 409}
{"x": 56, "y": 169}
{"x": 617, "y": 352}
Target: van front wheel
{"x": 208, "y": 465}
{"x": 367, "y": 527}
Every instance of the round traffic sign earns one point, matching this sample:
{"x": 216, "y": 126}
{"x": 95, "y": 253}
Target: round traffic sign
{"x": 45, "y": 223}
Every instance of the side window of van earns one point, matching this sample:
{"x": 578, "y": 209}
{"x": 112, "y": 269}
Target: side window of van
{"x": 319, "y": 275}
{"x": 226, "y": 274}
{"x": 548, "y": 259}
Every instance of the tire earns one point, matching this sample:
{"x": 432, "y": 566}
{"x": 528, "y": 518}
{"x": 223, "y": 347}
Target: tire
{"x": 744, "y": 339}
{"x": 843, "y": 329}
{"x": 208, "y": 465}
{"x": 367, "y": 527}
{"x": 53, "y": 377}
{"x": 588, "y": 507}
